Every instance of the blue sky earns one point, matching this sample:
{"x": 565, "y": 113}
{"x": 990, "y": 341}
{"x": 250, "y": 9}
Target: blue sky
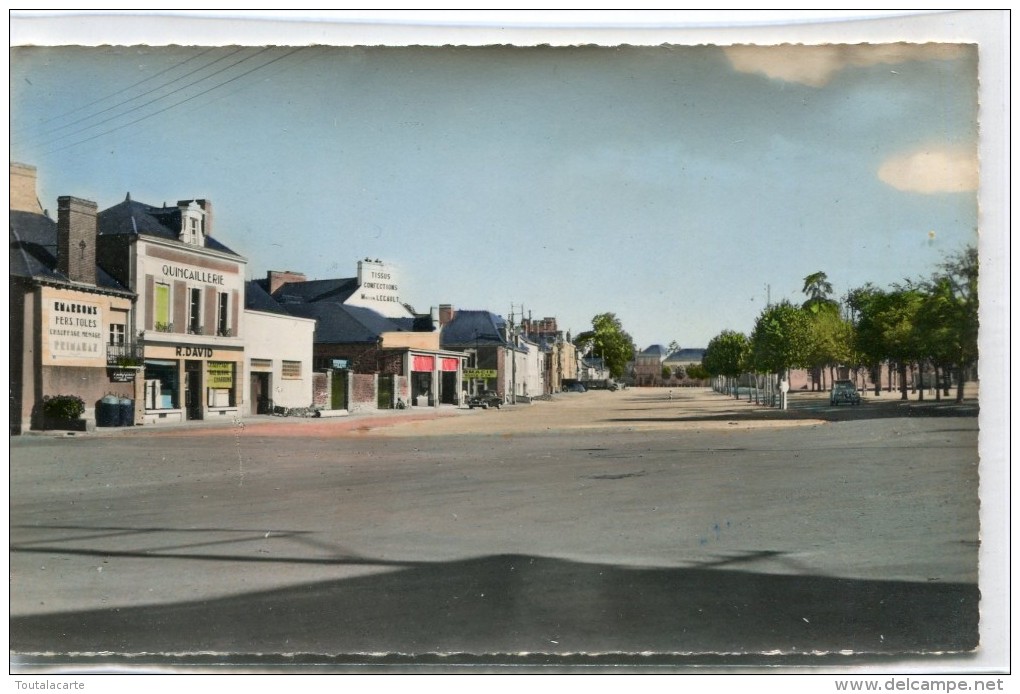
{"x": 677, "y": 186}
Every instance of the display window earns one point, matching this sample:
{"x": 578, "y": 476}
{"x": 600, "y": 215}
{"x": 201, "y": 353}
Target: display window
{"x": 162, "y": 385}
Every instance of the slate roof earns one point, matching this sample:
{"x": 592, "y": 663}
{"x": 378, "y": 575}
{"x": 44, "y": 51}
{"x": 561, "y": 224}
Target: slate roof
{"x": 469, "y": 328}
{"x": 308, "y": 291}
{"x": 138, "y": 218}
{"x": 340, "y": 324}
{"x": 688, "y": 355}
{"x": 654, "y": 351}
{"x": 33, "y": 252}
{"x": 257, "y": 299}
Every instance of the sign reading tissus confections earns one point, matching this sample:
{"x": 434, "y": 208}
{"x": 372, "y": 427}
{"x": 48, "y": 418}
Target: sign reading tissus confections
{"x": 74, "y": 329}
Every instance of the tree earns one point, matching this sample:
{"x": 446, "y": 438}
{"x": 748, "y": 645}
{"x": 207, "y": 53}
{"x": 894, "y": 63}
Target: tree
{"x": 947, "y": 318}
{"x": 607, "y": 339}
{"x": 726, "y": 355}
{"x": 829, "y": 333}
{"x": 697, "y": 372}
{"x": 782, "y": 338}
{"x": 667, "y": 373}
{"x": 817, "y": 288}
{"x": 887, "y": 329}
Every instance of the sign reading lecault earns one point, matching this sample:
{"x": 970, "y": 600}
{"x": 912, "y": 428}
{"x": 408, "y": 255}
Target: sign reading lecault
{"x": 378, "y": 289}
{"x": 75, "y": 330}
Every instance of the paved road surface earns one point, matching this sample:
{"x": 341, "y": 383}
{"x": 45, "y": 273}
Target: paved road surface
{"x": 608, "y": 523}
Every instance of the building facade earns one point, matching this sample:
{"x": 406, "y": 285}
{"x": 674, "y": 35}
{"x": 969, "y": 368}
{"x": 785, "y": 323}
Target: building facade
{"x": 363, "y": 329}
{"x": 189, "y": 318}
{"x": 68, "y": 316}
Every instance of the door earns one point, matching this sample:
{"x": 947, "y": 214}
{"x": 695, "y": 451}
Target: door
{"x": 260, "y": 391}
{"x": 385, "y": 395}
{"x": 193, "y": 389}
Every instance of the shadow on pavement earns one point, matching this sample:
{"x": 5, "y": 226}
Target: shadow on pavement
{"x": 813, "y": 407}
{"x": 519, "y": 609}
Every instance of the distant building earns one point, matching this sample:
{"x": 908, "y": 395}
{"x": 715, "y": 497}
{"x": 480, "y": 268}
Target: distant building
{"x": 648, "y": 366}
{"x": 678, "y": 361}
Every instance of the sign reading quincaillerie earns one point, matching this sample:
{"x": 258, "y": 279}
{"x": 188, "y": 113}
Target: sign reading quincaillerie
{"x": 480, "y": 373}
{"x": 74, "y": 329}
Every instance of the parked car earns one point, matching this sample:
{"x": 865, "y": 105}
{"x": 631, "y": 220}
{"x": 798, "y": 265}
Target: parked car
{"x": 485, "y": 400}
{"x": 574, "y": 388}
{"x": 844, "y": 391}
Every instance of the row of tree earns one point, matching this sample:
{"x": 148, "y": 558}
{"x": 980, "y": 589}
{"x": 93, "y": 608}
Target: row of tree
{"x": 929, "y": 325}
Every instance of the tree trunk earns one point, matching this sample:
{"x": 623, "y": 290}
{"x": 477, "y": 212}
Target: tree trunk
{"x": 889, "y": 385}
{"x": 876, "y": 373}
{"x": 959, "y": 383}
{"x": 903, "y": 382}
{"x": 938, "y": 385}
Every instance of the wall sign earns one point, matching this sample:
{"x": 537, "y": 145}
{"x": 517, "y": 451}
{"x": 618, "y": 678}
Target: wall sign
{"x": 75, "y": 329}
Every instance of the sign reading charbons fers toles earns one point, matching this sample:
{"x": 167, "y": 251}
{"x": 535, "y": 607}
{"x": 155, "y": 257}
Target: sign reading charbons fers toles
{"x": 75, "y": 330}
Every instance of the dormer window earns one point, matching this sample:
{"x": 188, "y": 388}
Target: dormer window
{"x": 192, "y": 224}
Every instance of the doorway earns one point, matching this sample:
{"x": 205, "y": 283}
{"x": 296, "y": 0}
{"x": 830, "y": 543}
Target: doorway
{"x": 260, "y": 392}
{"x": 193, "y": 389}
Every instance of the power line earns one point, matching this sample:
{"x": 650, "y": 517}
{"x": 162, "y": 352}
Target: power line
{"x": 179, "y": 103}
{"x": 132, "y": 86}
{"x": 160, "y": 98}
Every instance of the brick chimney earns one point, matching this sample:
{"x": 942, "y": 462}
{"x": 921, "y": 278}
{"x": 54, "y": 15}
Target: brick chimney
{"x": 23, "y": 193}
{"x": 76, "y": 239}
{"x": 278, "y": 278}
{"x": 446, "y": 314}
{"x": 206, "y": 206}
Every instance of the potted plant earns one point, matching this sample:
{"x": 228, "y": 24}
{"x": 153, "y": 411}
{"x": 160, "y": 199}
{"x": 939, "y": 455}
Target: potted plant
{"x": 63, "y": 412}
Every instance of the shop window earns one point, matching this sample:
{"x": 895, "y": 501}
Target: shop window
{"x": 161, "y": 308}
{"x": 162, "y": 385}
{"x": 291, "y": 369}
{"x": 223, "y": 315}
{"x": 219, "y": 381}
{"x": 195, "y": 311}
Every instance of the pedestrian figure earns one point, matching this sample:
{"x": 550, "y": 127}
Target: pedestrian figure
{"x": 670, "y": 397}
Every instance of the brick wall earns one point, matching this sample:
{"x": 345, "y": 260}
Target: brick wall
{"x": 320, "y": 390}
{"x": 362, "y": 392}
{"x": 402, "y": 385}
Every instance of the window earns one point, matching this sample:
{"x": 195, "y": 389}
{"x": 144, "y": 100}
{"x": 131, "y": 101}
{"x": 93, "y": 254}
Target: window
{"x": 222, "y": 316}
{"x": 195, "y": 311}
{"x": 116, "y": 333}
{"x": 291, "y": 369}
{"x": 161, "y": 319}
{"x": 162, "y": 384}
{"x": 261, "y": 364}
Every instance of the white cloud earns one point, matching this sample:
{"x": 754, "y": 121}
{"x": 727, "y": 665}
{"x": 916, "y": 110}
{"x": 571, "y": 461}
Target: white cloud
{"x": 816, "y": 65}
{"x": 934, "y": 170}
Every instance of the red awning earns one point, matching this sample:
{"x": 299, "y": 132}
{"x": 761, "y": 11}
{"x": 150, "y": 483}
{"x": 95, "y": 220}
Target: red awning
{"x": 449, "y": 364}
{"x": 423, "y": 363}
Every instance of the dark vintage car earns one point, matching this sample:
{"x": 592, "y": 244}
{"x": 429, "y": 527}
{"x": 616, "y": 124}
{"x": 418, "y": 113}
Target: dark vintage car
{"x": 844, "y": 392}
{"x": 485, "y": 399}
{"x": 574, "y": 387}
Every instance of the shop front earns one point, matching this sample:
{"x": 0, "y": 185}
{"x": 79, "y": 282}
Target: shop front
{"x": 435, "y": 379}
{"x": 191, "y": 382}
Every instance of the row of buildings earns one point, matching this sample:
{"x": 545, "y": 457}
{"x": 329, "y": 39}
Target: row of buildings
{"x": 143, "y": 303}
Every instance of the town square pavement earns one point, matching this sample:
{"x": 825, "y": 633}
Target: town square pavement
{"x": 639, "y": 528}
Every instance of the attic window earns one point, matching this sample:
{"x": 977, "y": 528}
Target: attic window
{"x": 192, "y": 225}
